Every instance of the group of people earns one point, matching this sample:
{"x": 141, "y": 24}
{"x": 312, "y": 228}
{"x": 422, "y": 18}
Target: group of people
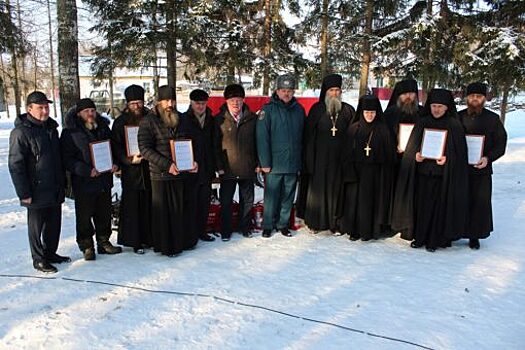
{"x": 346, "y": 169}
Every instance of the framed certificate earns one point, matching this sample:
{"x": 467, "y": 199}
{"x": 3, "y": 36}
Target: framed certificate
{"x": 433, "y": 144}
{"x": 101, "y": 157}
{"x": 405, "y": 130}
{"x": 475, "y": 145}
{"x": 182, "y": 154}
{"x": 132, "y": 142}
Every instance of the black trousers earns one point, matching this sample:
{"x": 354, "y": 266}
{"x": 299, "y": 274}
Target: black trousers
{"x": 43, "y": 226}
{"x": 203, "y": 207}
{"x": 93, "y": 217}
{"x": 246, "y": 196}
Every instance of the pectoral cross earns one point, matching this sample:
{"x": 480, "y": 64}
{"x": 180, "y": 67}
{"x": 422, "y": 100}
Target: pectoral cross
{"x": 333, "y": 129}
{"x": 367, "y": 150}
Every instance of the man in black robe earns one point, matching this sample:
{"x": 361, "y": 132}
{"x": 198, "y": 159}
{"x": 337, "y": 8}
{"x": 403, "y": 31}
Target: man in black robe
{"x": 478, "y": 120}
{"x": 430, "y": 203}
{"x": 201, "y": 117}
{"x": 367, "y": 174}
{"x": 135, "y": 205}
{"x": 323, "y": 144}
{"x": 171, "y": 212}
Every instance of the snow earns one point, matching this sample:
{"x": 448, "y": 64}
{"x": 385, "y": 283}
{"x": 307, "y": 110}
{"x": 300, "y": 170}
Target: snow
{"x": 453, "y": 299}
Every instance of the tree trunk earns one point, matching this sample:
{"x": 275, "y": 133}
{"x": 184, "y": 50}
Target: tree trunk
{"x": 51, "y": 58}
{"x": 111, "y": 92}
{"x": 14, "y": 66}
{"x": 171, "y": 42}
{"x": 504, "y": 103}
{"x": 367, "y": 52}
{"x": 425, "y": 78}
{"x": 68, "y": 80}
{"x": 324, "y": 39}
{"x": 4, "y": 86}
{"x": 267, "y": 40}
{"x": 23, "y": 74}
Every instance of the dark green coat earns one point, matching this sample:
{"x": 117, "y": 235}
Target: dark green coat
{"x": 279, "y": 136}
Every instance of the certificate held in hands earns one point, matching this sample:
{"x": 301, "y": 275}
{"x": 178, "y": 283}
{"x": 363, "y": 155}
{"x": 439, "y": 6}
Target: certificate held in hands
{"x": 132, "y": 143}
{"x": 433, "y": 144}
{"x": 182, "y": 154}
{"x": 475, "y": 144}
{"x": 405, "y": 130}
{"x": 101, "y": 157}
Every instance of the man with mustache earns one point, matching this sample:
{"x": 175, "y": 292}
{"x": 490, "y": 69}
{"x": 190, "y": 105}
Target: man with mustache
{"x": 323, "y": 144}
{"x": 92, "y": 190}
{"x": 171, "y": 204}
{"x": 135, "y": 205}
{"x": 477, "y": 120}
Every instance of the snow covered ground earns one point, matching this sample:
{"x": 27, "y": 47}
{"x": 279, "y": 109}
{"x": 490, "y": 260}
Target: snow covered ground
{"x": 380, "y": 293}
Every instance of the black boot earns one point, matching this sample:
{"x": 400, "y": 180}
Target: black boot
{"x": 247, "y": 234}
{"x": 430, "y": 249}
{"x": 108, "y": 248}
{"x": 44, "y": 266}
{"x": 206, "y": 237}
{"x": 474, "y": 244}
{"x": 286, "y": 232}
{"x": 89, "y": 254}
{"x": 226, "y": 237}
{"x": 416, "y": 244}
{"x": 354, "y": 238}
{"x": 139, "y": 251}
{"x": 58, "y": 259}
{"x": 267, "y": 233}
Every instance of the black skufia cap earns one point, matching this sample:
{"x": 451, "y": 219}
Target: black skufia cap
{"x": 477, "y": 88}
{"x": 37, "y": 97}
{"x": 166, "y": 93}
{"x": 85, "y": 103}
{"x": 134, "y": 93}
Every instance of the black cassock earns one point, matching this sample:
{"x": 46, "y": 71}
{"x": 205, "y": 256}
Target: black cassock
{"x": 367, "y": 189}
{"x": 135, "y": 205}
{"x": 489, "y": 125}
{"x": 320, "y": 183}
{"x": 430, "y": 204}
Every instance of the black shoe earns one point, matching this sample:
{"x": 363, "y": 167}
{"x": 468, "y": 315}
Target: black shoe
{"x": 89, "y": 254}
{"x": 58, "y": 259}
{"x": 430, "y": 249}
{"x": 474, "y": 244}
{"x": 286, "y": 232}
{"x": 365, "y": 239}
{"x": 353, "y": 238}
{"x": 247, "y": 234}
{"x": 139, "y": 251}
{"x": 108, "y": 248}
{"x": 206, "y": 237}
{"x": 416, "y": 244}
{"x": 267, "y": 233}
{"x": 226, "y": 237}
{"x": 44, "y": 266}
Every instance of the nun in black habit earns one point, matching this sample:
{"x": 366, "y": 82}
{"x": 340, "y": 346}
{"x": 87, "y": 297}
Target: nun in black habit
{"x": 368, "y": 162}
{"x": 431, "y": 201}
{"x": 323, "y": 144}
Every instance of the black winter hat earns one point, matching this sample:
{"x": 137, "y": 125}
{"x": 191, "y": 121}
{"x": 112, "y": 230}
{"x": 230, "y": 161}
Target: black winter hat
{"x": 37, "y": 97}
{"x": 85, "y": 103}
{"x": 477, "y": 88}
{"x": 166, "y": 93}
{"x": 134, "y": 93}
{"x": 407, "y": 85}
{"x": 199, "y": 95}
{"x": 234, "y": 90}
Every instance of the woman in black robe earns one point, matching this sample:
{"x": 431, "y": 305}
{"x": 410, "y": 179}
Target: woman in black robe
{"x": 431, "y": 202}
{"x": 367, "y": 174}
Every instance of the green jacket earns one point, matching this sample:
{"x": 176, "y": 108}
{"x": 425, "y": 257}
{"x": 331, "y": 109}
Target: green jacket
{"x": 279, "y": 136}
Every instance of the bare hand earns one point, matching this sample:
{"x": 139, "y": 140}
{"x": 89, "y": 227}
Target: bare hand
{"x": 174, "y": 170}
{"x": 137, "y": 158}
{"x": 94, "y": 173}
{"x": 419, "y": 157}
{"x": 220, "y": 172}
{"x": 484, "y": 161}
{"x": 441, "y": 161}
{"x": 399, "y": 150}
{"x": 266, "y": 170}
{"x": 27, "y": 200}
{"x": 195, "y": 168}
{"x": 114, "y": 168}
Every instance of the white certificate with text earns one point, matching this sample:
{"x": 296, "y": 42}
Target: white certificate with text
{"x": 132, "y": 142}
{"x": 475, "y": 145}
{"x": 433, "y": 144}
{"x": 182, "y": 154}
{"x": 101, "y": 157}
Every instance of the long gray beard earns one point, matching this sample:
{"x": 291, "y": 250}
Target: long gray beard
{"x": 170, "y": 118}
{"x": 333, "y": 105}
{"x": 408, "y": 108}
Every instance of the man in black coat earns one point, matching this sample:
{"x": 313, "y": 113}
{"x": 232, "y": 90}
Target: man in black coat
{"x": 173, "y": 196}
{"x": 477, "y": 120}
{"x": 236, "y": 158}
{"x": 200, "y": 116}
{"x": 38, "y": 177}
{"x": 92, "y": 189}
{"x": 135, "y": 205}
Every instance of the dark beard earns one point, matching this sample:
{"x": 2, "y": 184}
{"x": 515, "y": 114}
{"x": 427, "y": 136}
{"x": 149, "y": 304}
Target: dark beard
{"x": 474, "y": 111}
{"x": 333, "y": 105}
{"x": 170, "y": 118}
{"x": 408, "y": 108}
{"x": 135, "y": 117}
